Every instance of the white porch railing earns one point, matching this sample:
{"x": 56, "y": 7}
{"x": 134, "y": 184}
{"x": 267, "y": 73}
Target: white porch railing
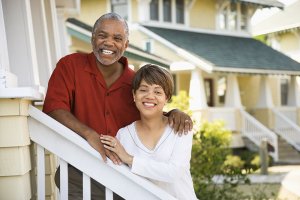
{"x": 228, "y": 115}
{"x": 287, "y": 129}
{"x": 71, "y": 148}
{"x": 256, "y": 132}
{"x": 289, "y": 112}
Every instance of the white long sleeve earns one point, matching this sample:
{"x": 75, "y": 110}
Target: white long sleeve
{"x": 166, "y": 170}
{"x": 167, "y": 165}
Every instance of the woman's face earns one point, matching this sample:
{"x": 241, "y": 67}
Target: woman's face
{"x": 150, "y": 99}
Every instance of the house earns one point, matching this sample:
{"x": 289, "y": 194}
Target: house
{"x": 281, "y": 30}
{"x": 205, "y": 43}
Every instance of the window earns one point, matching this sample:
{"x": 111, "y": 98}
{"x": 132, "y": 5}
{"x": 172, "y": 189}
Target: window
{"x": 180, "y": 11}
{"x": 233, "y": 16}
{"x": 284, "y": 86}
{"x": 171, "y": 11}
{"x": 167, "y": 10}
{"x": 120, "y": 7}
{"x": 154, "y": 10}
{"x": 148, "y": 46}
{"x": 244, "y": 19}
{"x": 221, "y": 89}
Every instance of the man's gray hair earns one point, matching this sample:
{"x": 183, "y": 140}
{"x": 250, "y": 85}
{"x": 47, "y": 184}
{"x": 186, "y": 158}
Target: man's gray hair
{"x": 113, "y": 16}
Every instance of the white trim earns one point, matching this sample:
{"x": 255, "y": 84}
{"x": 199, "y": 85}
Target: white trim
{"x": 255, "y": 71}
{"x": 22, "y": 92}
{"x": 277, "y": 29}
{"x": 79, "y": 29}
{"x": 4, "y": 59}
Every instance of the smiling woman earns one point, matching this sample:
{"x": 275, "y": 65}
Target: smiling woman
{"x": 149, "y": 145}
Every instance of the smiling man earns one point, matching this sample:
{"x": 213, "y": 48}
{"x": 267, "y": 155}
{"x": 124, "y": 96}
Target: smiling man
{"x": 92, "y": 95}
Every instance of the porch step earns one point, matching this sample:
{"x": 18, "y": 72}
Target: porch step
{"x": 287, "y": 153}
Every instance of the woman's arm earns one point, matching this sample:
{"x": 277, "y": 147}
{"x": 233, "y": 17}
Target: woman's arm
{"x": 166, "y": 171}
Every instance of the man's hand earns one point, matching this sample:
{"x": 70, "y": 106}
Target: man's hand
{"x": 180, "y": 121}
{"x": 113, "y": 157}
{"x": 70, "y": 121}
{"x": 93, "y": 138}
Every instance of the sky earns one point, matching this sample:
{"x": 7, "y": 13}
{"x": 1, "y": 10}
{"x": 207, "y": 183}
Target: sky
{"x": 263, "y": 13}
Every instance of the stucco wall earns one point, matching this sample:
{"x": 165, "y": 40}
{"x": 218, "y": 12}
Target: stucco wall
{"x": 91, "y": 10}
{"x": 203, "y": 14}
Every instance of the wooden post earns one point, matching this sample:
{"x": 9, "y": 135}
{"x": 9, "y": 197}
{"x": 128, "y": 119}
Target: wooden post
{"x": 264, "y": 158}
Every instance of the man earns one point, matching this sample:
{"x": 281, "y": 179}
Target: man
{"x": 92, "y": 95}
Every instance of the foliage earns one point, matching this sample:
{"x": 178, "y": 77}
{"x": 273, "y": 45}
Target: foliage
{"x": 211, "y": 156}
{"x": 181, "y": 102}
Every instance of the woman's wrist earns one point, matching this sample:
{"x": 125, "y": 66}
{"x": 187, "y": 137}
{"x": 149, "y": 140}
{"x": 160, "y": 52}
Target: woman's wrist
{"x": 129, "y": 160}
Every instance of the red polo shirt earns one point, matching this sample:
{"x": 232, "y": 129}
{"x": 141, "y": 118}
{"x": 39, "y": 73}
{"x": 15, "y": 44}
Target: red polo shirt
{"x": 76, "y": 85}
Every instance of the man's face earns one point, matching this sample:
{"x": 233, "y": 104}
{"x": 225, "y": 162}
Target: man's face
{"x": 109, "y": 41}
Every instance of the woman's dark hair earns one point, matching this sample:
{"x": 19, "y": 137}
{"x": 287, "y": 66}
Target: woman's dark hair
{"x": 153, "y": 74}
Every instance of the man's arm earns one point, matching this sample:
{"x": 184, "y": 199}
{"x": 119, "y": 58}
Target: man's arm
{"x": 91, "y": 136}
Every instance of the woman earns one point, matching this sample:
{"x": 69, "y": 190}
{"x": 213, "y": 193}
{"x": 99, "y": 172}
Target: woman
{"x": 149, "y": 146}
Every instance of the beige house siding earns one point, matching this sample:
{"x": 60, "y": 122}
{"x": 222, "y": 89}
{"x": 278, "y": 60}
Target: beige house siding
{"x": 91, "y": 10}
{"x": 289, "y": 42}
{"x": 183, "y": 80}
{"x": 15, "y": 162}
{"x": 134, "y": 11}
{"x": 206, "y": 18}
{"x": 17, "y": 154}
{"x": 79, "y": 45}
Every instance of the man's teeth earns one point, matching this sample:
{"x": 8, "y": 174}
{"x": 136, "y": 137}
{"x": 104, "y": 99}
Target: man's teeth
{"x": 149, "y": 104}
{"x": 107, "y": 52}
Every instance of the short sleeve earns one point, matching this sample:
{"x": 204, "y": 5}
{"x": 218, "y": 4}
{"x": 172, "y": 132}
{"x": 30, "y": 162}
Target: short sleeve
{"x": 60, "y": 92}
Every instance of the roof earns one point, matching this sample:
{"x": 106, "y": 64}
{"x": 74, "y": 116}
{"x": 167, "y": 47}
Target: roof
{"x": 83, "y": 31}
{"x": 230, "y": 53}
{"x": 266, "y": 3}
{"x": 286, "y": 19}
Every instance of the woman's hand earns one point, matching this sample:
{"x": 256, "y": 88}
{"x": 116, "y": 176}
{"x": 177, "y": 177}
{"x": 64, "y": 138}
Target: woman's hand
{"x": 180, "y": 121}
{"x": 114, "y": 145}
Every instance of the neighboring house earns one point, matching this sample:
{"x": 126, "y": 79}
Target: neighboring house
{"x": 282, "y": 30}
{"x": 205, "y": 43}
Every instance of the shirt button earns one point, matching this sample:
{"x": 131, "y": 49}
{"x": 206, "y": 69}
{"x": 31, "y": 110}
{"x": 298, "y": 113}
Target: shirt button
{"x": 108, "y": 131}
{"x": 107, "y": 94}
{"x": 107, "y": 112}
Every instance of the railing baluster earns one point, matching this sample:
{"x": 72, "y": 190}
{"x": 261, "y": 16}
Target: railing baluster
{"x": 63, "y": 180}
{"x": 86, "y": 187}
{"x": 109, "y": 194}
{"x": 40, "y": 172}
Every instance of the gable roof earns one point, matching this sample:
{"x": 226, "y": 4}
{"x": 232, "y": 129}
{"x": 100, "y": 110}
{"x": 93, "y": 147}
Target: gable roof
{"x": 230, "y": 53}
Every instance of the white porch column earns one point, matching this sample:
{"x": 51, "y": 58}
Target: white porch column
{"x": 4, "y": 60}
{"x": 41, "y": 41}
{"x": 265, "y": 96}
{"x": 144, "y": 10}
{"x": 232, "y": 98}
{"x": 294, "y": 92}
{"x": 20, "y": 41}
{"x": 64, "y": 38}
{"x": 53, "y": 32}
{"x": 197, "y": 91}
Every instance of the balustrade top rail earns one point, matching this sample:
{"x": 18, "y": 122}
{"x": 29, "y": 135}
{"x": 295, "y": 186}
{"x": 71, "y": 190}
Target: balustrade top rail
{"x": 73, "y": 149}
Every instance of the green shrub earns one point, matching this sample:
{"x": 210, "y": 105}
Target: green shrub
{"x": 181, "y": 102}
{"x": 212, "y": 156}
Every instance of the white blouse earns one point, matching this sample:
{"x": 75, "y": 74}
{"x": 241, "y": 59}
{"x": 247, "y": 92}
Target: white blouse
{"x": 167, "y": 165}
